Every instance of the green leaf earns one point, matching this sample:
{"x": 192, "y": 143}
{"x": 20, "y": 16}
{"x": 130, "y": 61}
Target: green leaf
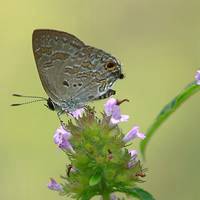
{"x": 96, "y": 178}
{"x": 170, "y": 108}
{"x": 138, "y": 193}
{"x": 141, "y": 194}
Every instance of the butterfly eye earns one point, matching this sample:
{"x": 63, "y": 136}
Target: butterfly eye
{"x": 110, "y": 66}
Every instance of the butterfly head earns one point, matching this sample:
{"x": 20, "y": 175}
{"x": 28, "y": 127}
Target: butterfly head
{"x": 112, "y": 69}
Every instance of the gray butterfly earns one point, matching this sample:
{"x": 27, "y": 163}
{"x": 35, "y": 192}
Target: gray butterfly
{"x": 72, "y": 73}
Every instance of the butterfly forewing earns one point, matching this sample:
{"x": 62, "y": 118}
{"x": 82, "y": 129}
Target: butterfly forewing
{"x": 55, "y": 54}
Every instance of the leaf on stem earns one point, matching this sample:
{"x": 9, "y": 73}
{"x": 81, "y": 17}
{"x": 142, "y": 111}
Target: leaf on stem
{"x": 96, "y": 178}
{"x": 138, "y": 193}
{"x": 171, "y": 107}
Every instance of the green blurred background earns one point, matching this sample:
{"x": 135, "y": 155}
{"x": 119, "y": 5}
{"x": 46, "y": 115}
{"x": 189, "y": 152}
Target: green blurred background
{"x": 159, "y": 44}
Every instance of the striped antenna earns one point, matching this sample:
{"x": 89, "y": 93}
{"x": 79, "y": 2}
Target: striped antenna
{"x": 36, "y": 99}
{"x": 25, "y": 96}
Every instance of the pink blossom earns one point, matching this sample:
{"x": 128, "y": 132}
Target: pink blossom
{"x": 53, "y": 185}
{"x": 197, "y": 77}
{"x": 61, "y": 138}
{"x": 132, "y": 134}
{"x": 78, "y": 113}
{"x": 112, "y": 109}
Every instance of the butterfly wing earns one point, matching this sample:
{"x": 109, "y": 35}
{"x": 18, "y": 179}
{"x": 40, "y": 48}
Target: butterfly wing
{"x": 65, "y": 68}
{"x": 54, "y": 53}
{"x": 71, "y": 72}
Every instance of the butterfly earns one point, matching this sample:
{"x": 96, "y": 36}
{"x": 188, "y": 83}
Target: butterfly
{"x": 71, "y": 72}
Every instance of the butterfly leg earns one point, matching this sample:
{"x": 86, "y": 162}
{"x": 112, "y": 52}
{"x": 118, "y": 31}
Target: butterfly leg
{"x": 59, "y": 113}
{"x": 109, "y": 93}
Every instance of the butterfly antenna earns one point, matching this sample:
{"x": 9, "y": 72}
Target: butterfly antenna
{"x": 28, "y": 102}
{"x": 34, "y": 97}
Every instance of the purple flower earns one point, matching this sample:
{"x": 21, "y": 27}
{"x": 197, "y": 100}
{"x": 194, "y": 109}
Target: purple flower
{"x": 132, "y": 134}
{"x": 112, "y": 109}
{"x": 109, "y": 106}
{"x": 133, "y": 161}
{"x": 133, "y": 153}
{"x": 113, "y": 197}
{"x": 53, "y": 185}
{"x": 197, "y": 77}
{"x": 61, "y": 137}
{"x": 78, "y": 113}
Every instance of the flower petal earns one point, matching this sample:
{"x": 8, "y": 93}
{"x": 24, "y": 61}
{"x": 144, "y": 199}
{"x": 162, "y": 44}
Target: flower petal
{"x": 132, "y": 134}
{"x": 124, "y": 118}
{"x": 113, "y": 197}
{"x": 78, "y": 113}
{"x": 133, "y": 153}
{"x": 53, "y": 185}
{"x": 112, "y": 109}
{"x": 197, "y": 77}
{"x": 61, "y": 132}
{"x": 116, "y": 113}
{"x": 61, "y": 137}
{"x": 108, "y": 107}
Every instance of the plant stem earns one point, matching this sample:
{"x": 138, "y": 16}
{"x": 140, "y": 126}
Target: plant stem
{"x": 171, "y": 107}
{"x": 105, "y": 192}
{"x": 106, "y": 195}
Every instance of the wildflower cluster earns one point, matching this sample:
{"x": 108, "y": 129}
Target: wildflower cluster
{"x": 100, "y": 162}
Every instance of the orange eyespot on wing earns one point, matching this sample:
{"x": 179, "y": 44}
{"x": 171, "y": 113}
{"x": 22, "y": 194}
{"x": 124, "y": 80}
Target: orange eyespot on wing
{"x": 110, "y": 66}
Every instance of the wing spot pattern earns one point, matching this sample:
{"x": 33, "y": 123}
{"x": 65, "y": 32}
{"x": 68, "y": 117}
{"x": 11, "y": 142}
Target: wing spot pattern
{"x": 65, "y": 83}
